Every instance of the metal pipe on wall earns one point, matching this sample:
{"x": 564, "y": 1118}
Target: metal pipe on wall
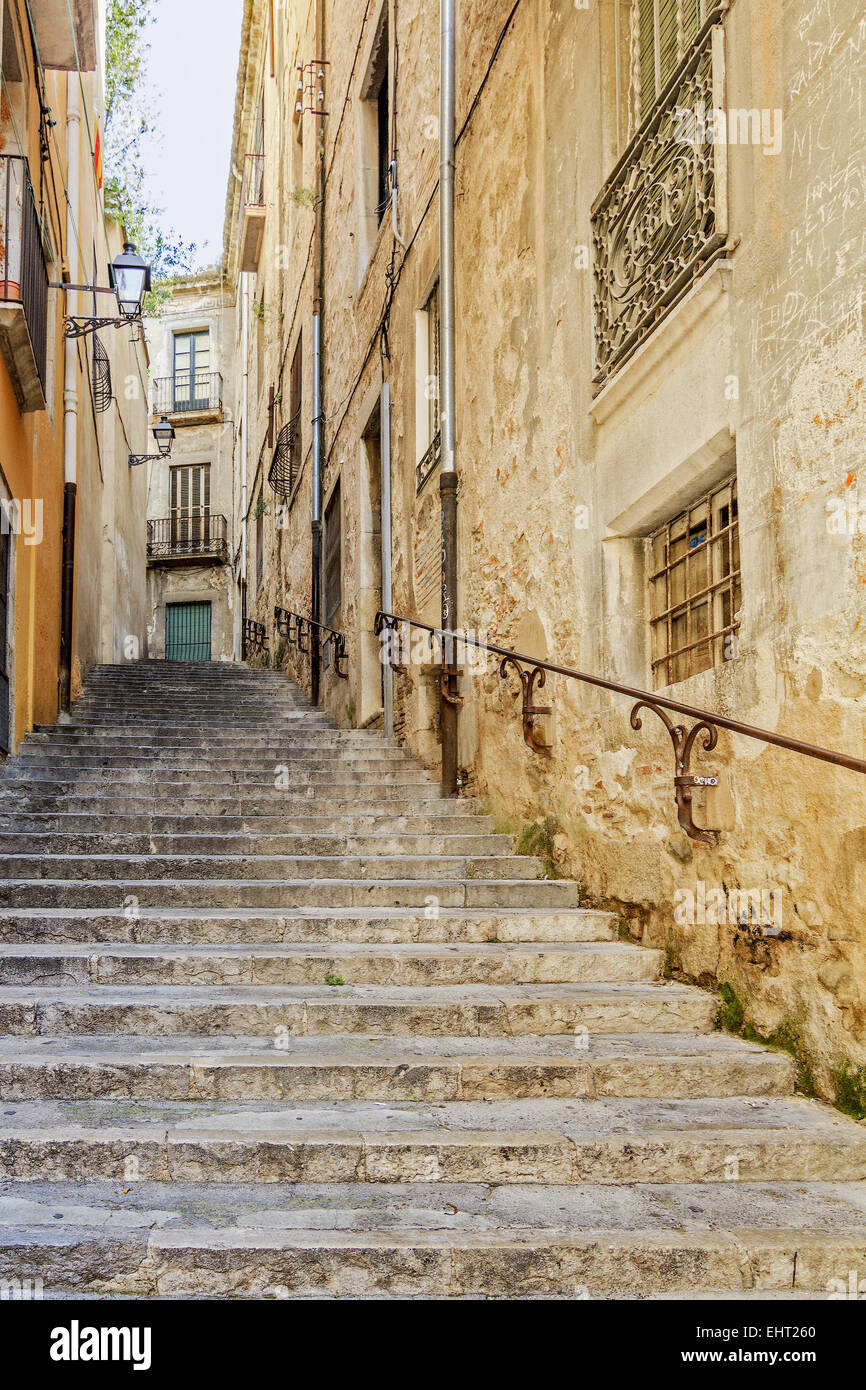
{"x": 447, "y": 388}
{"x": 70, "y": 403}
{"x": 318, "y": 422}
{"x": 385, "y": 528}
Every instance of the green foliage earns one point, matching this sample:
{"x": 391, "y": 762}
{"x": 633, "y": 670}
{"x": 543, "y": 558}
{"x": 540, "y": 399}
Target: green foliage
{"x": 334, "y": 980}
{"x": 732, "y": 1011}
{"x": 304, "y": 197}
{"x": 128, "y": 122}
{"x": 537, "y": 839}
{"x": 850, "y": 1085}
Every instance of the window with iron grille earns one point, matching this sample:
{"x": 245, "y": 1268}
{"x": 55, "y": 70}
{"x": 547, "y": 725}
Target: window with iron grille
{"x": 695, "y": 587}
{"x": 666, "y": 29}
{"x": 333, "y": 555}
{"x": 189, "y": 495}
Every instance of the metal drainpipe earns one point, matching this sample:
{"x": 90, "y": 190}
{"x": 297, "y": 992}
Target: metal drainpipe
{"x": 448, "y": 473}
{"x": 385, "y": 514}
{"x": 318, "y": 423}
{"x": 70, "y": 405}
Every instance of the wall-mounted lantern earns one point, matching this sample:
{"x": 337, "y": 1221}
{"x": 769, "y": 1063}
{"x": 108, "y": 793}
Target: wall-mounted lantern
{"x": 129, "y": 279}
{"x": 164, "y": 434}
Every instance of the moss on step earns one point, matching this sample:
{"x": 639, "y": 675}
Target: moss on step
{"x": 536, "y": 840}
{"x": 850, "y": 1089}
{"x": 788, "y": 1037}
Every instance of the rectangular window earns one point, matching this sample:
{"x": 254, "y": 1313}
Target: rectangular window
{"x": 296, "y": 400}
{"x": 191, "y": 374}
{"x": 695, "y": 587}
{"x": 189, "y": 495}
{"x": 260, "y": 540}
{"x": 428, "y": 427}
{"x": 374, "y": 115}
{"x": 666, "y": 29}
{"x": 333, "y": 556}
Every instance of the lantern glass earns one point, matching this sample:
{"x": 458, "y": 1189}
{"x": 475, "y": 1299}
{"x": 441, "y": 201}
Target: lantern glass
{"x": 130, "y": 279}
{"x": 163, "y": 433}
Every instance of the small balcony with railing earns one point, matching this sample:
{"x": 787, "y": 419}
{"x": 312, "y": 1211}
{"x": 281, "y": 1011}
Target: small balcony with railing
{"x": 23, "y": 285}
{"x": 660, "y": 220}
{"x": 251, "y": 228}
{"x": 198, "y": 539}
{"x": 188, "y": 398}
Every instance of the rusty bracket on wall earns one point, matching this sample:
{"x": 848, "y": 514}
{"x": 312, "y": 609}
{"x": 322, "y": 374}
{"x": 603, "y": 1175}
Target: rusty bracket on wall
{"x": 684, "y": 781}
{"x": 532, "y": 737}
{"x": 337, "y": 641}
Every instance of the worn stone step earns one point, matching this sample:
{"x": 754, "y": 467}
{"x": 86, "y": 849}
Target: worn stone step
{"x": 389, "y": 801}
{"x": 169, "y": 779}
{"x": 274, "y": 868}
{"x": 460, "y": 1238}
{"x": 191, "y": 843}
{"x": 19, "y": 834}
{"x": 463, "y": 1010}
{"x": 194, "y": 926}
{"x": 543, "y": 1141}
{"x": 350, "y": 1066}
{"x": 50, "y": 765}
{"x": 300, "y": 963}
{"x": 435, "y": 894}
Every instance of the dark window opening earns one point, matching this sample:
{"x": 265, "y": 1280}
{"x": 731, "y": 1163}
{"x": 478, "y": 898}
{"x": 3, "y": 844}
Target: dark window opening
{"x": 333, "y": 556}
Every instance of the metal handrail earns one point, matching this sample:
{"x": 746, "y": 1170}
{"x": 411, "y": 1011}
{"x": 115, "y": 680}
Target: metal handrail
{"x": 255, "y": 636}
{"x": 706, "y": 722}
{"x": 293, "y": 626}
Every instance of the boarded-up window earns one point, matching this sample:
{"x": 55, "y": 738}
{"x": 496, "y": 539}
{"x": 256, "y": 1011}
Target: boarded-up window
{"x": 333, "y": 555}
{"x": 190, "y": 503}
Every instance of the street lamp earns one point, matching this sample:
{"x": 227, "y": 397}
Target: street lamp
{"x": 129, "y": 279}
{"x": 164, "y": 434}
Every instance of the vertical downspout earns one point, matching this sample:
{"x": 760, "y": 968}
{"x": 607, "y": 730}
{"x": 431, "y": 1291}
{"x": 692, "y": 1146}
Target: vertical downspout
{"x": 245, "y": 331}
{"x": 318, "y": 422}
{"x": 385, "y": 527}
{"x": 448, "y": 474}
{"x": 70, "y": 403}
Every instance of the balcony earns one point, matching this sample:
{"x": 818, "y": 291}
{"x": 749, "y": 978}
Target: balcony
{"x": 192, "y": 396}
{"x": 661, "y": 217}
{"x": 251, "y": 230}
{"x": 188, "y": 540}
{"x": 23, "y": 285}
{"x": 65, "y": 33}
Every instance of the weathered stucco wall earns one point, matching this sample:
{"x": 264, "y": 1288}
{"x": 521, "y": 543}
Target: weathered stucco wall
{"x": 560, "y": 487}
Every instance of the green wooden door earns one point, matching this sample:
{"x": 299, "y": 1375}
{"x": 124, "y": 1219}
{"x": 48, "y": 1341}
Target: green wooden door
{"x": 187, "y": 631}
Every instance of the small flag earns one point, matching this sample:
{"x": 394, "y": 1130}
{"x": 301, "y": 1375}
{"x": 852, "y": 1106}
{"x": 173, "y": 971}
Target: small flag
{"x": 97, "y": 156}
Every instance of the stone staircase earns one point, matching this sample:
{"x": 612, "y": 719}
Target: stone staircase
{"x": 279, "y": 1021}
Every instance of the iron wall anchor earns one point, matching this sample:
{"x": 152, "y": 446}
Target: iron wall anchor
{"x": 684, "y": 781}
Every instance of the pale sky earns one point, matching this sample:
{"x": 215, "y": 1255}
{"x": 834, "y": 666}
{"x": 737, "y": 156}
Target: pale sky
{"x": 194, "y": 48}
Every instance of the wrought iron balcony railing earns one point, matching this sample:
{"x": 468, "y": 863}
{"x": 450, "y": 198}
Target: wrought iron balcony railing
{"x": 187, "y": 392}
{"x": 23, "y": 284}
{"x": 661, "y": 217}
{"x": 188, "y": 538}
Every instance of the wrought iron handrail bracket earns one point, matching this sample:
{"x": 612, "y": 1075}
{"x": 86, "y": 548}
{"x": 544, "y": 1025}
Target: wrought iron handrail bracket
{"x": 533, "y": 672}
{"x": 298, "y": 630}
